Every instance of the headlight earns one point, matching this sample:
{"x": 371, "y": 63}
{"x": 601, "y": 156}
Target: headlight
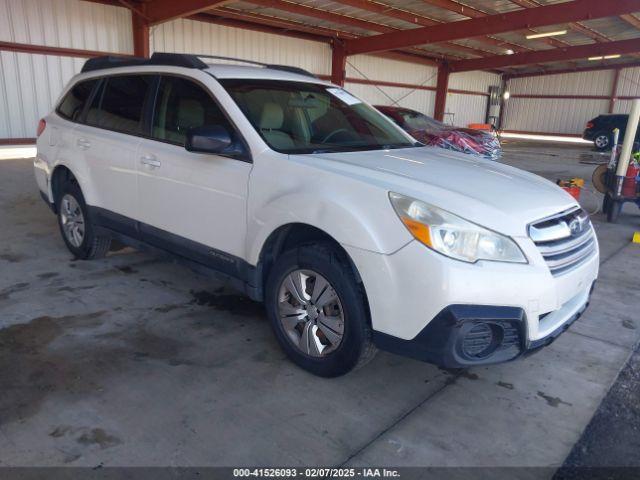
{"x": 453, "y": 236}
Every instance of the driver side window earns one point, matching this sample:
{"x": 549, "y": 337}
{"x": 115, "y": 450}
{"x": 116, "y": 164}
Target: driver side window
{"x": 180, "y": 105}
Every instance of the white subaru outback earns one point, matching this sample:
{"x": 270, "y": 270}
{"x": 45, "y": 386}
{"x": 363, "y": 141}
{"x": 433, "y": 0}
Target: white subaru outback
{"x": 306, "y": 198}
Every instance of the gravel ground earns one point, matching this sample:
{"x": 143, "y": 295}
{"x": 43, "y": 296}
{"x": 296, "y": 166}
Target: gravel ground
{"x": 610, "y": 445}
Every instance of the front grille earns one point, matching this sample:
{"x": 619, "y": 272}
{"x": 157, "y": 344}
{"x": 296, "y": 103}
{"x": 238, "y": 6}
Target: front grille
{"x": 565, "y": 240}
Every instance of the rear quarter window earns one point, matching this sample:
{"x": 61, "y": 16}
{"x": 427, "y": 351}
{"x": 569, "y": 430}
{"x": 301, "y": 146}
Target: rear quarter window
{"x": 74, "y": 101}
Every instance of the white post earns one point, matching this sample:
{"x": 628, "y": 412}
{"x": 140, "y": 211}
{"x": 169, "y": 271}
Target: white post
{"x": 629, "y": 138}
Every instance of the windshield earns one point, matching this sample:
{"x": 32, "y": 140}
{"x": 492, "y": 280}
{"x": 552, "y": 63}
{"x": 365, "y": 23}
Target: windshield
{"x": 418, "y": 121}
{"x": 296, "y": 117}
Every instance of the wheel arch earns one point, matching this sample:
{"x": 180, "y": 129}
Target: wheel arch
{"x": 60, "y": 174}
{"x": 292, "y": 235}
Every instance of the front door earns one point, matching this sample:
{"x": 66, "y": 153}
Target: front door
{"x": 191, "y": 203}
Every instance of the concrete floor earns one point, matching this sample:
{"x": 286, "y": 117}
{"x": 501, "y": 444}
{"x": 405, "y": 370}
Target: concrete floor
{"x": 135, "y": 361}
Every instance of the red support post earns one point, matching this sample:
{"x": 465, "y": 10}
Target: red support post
{"x": 441, "y": 92}
{"x": 338, "y": 63}
{"x": 614, "y": 90}
{"x": 140, "y": 35}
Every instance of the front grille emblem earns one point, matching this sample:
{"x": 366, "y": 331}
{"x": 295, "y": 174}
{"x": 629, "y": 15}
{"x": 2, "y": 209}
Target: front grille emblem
{"x": 575, "y": 226}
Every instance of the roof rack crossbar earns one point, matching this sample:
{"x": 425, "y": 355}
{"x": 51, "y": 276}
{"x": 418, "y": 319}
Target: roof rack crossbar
{"x": 179, "y": 60}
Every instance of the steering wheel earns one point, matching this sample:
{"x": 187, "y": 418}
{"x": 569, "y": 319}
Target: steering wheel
{"x": 335, "y": 132}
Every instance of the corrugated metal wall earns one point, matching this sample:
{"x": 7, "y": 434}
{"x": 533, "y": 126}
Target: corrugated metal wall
{"x": 566, "y": 115}
{"x": 628, "y": 86}
{"x": 30, "y": 83}
{"x": 66, "y": 23}
{"x": 464, "y": 109}
{"x": 188, "y": 36}
{"x": 598, "y": 82}
{"x": 29, "y": 86}
{"x": 369, "y": 67}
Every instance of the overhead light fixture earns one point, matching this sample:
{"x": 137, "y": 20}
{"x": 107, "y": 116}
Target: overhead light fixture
{"x": 606, "y": 57}
{"x": 509, "y": 52}
{"x": 506, "y": 95}
{"x": 546, "y": 34}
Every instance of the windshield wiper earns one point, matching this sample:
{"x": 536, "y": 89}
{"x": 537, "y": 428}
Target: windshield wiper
{"x": 394, "y": 146}
{"x": 356, "y": 148}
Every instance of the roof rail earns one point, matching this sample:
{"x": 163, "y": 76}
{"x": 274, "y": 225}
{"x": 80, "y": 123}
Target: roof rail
{"x": 284, "y": 68}
{"x": 158, "y": 58}
{"x": 178, "y": 60}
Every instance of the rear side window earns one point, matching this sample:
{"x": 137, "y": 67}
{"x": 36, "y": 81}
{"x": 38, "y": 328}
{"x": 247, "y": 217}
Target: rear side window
{"x": 73, "y": 103}
{"x": 182, "y": 104}
{"x": 120, "y": 105}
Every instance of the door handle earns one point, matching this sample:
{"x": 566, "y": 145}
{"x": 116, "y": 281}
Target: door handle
{"x": 83, "y": 143}
{"x": 150, "y": 160}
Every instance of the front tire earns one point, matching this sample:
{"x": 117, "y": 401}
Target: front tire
{"x": 75, "y": 225}
{"x": 318, "y": 310}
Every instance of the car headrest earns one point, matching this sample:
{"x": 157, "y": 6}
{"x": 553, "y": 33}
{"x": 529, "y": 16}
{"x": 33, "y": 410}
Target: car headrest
{"x": 272, "y": 116}
{"x": 190, "y": 113}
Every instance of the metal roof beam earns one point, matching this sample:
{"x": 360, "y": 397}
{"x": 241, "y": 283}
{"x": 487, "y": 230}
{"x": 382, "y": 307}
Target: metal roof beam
{"x": 631, "y": 20}
{"x": 416, "y": 19}
{"x": 543, "y": 56}
{"x": 304, "y": 10}
{"x": 277, "y": 26}
{"x": 159, "y": 11}
{"x": 591, "y": 68}
{"x": 576, "y": 27}
{"x": 554, "y": 14}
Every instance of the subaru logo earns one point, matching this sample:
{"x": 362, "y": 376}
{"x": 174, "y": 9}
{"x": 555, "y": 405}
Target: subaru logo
{"x": 575, "y": 226}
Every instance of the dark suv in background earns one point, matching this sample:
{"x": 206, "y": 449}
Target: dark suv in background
{"x": 600, "y": 130}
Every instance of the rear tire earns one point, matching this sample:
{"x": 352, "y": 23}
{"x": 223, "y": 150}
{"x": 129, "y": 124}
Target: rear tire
{"x": 602, "y": 141}
{"x": 297, "y": 318}
{"x": 75, "y": 224}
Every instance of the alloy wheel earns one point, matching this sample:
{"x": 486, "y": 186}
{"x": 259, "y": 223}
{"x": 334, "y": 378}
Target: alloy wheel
{"x": 72, "y": 220}
{"x": 601, "y": 141}
{"x": 311, "y": 313}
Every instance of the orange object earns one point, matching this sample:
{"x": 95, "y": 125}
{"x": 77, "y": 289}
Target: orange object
{"x": 572, "y": 187}
{"x": 574, "y": 191}
{"x": 480, "y": 126}
{"x": 629, "y": 189}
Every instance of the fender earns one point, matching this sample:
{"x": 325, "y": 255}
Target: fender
{"x": 361, "y": 226}
{"x": 80, "y": 175}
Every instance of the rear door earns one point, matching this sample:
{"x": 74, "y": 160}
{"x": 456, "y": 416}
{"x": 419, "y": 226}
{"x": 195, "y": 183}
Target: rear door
{"x": 191, "y": 203}
{"x": 109, "y": 140}
{"x": 57, "y": 144}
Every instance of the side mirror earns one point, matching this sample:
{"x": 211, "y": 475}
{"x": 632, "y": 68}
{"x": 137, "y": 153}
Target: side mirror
{"x": 208, "y": 139}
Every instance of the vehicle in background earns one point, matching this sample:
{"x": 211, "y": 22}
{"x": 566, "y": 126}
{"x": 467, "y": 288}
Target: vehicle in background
{"x": 599, "y": 130}
{"x": 437, "y": 134}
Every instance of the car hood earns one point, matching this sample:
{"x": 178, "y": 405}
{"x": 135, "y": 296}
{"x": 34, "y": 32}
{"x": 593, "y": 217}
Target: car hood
{"x": 491, "y": 194}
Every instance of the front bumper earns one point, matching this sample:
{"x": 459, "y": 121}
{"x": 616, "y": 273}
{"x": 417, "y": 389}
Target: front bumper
{"x": 420, "y": 301}
{"x": 469, "y": 335}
